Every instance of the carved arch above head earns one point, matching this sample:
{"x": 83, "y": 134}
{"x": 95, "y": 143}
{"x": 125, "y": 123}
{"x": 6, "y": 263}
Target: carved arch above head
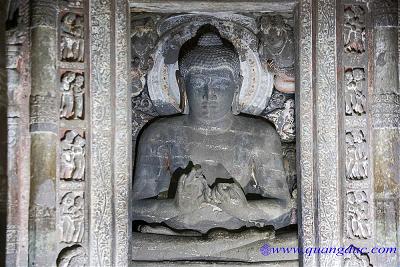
{"x": 162, "y": 84}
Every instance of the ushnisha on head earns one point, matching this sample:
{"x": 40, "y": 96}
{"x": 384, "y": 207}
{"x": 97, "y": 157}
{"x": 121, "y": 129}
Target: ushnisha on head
{"x": 210, "y": 70}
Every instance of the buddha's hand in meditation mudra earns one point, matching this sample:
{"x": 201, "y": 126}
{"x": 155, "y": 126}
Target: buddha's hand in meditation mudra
{"x": 192, "y": 191}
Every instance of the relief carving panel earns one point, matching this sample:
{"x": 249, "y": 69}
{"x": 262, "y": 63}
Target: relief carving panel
{"x": 356, "y": 155}
{"x": 355, "y": 99}
{"x": 354, "y": 29}
{"x": 73, "y": 149}
{"x": 72, "y": 38}
{"x": 358, "y": 215}
{"x": 72, "y": 99}
{"x": 72, "y": 217}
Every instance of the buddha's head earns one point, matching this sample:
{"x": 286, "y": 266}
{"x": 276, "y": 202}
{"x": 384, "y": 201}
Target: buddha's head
{"x": 210, "y": 72}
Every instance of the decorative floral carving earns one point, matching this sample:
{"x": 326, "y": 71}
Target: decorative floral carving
{"x": 354, "y": 29}
{"x": 72, "y": 217}
{"x": 358, "y": 226}
{"x": 72, "y": 257}
{"x": 355, "y": 99}
{"x": 73, "y": 156}
{"x": 143, "y": 103}
{"x": 72, "y": 34}
{"x": 72, "y": 88}
{"x": 284, "y": 121}
{"x": 356, "y": 155}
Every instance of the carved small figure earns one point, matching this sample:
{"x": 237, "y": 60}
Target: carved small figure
{"x": 67, "y": 98}
{"x": 75, "y": 3}
{"x": 78, "y": 89}
{"x": 143, "y": 39}
{"x": 73, "y": 156}
{"x": 277, "y": 51}
{"x": 356, "y": 155}
{"x": 355, "y": 100}
{"x": 358, "y": 215}
{"x": 354, "y": 29}
{"x": 72, "y": 42}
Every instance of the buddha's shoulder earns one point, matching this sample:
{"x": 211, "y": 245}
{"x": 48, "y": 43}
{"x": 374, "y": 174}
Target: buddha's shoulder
{"x": 254, "y": 125}
{"x": 162, "y": 127}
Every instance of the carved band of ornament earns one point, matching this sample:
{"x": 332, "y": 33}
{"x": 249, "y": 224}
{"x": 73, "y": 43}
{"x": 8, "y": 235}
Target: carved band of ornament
{"x": 12, "y": 238}
{"x": 389, "y": 98}
{"x": 39, "y": 211}
{"x": 386, "y": 110}
{"x": 44, "y": 13}
{"x": 43, "y": 115}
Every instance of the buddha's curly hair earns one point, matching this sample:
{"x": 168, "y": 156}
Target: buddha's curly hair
{"x": 209, "y": 52}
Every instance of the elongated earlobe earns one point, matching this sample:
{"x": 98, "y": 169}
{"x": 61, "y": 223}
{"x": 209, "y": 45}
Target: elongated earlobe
{"x": 183, "y": 104}
{"x": 235, "y": 102}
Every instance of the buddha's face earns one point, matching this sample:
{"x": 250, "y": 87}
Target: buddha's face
{"x": 210, "y": 93}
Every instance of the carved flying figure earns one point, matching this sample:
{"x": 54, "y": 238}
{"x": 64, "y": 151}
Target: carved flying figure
{"x": 235, "y": 156}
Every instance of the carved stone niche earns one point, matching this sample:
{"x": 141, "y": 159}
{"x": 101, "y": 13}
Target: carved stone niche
{"x": 213, "y": 123}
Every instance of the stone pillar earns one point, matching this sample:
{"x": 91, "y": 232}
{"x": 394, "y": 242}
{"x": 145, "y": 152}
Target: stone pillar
{"x": 44, "y": 134}
{"x": 385, "y": 127}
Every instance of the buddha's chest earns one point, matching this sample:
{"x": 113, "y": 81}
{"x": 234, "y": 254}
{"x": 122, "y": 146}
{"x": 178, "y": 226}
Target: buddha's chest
{"x": 228, "y": 154}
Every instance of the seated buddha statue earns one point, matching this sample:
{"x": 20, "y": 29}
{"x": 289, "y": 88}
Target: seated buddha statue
{"x": 210, "y": 168}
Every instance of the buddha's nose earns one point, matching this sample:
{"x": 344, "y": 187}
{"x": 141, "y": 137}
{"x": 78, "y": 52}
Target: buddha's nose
{"x": 209, "y": 93}
{"x": 206, "y": 95}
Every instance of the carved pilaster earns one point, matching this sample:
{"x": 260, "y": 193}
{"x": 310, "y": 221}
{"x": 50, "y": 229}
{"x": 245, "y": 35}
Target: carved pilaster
{"x": 100, "y": 169}
{"x": 305, "y": 124}
{"x": 43, "y": 128}
{"x": 318, "y": 123}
